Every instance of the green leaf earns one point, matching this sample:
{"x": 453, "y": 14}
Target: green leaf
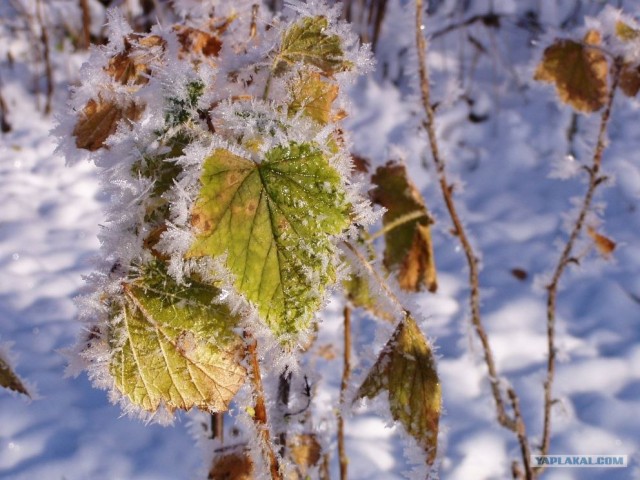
{"x": 408, "y": 246}
{"x": 10, "y": 379}
{"x": 307, "y": 42}
{"x": 174, "y": 346}
{"x": 314, "y": 97}
{"x": 406, "y": 370}
{"x": 274, "y": 221}
{"x": 578, "y": 70}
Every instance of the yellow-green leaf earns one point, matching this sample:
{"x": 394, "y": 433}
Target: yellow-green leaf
{"x": 408, "y": 245}
{"x": 174, "y": 346}
{"x": 273, "y": 221}
{"x": 578, "y": 70}
{"x": 10, "y": 379}
{"x": 406, "y": 370}
{"x": 626, "y": 32}
{"x": 308, "y": 42}
{"x": 313, "y": 96}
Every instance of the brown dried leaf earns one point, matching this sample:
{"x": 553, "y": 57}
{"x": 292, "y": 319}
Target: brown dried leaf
{"x": 9, "y": 379}
{"x": 305, "y": 451}
{"x": 578, "y": 71}
{"x": 630, "y": 80}
{"x": 408, "y": 245}
{"x": 198, "y": 42}
{"x": 520, "y": 274}
{"x": 604, "y": 245}
{"x": 128, "y": 66}
{"x": 235, "y": 465}
{"x": 360, "y": 164}
{"x": 99, "y": 120}
{"x": 406, "y": 370}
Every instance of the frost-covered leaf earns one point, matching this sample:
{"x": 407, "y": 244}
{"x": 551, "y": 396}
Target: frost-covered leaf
{"x": 578, "y": 70}
{"x": 198, "y": 42}
{"x": 408, "y": 245}
{"x": 604, "y": 245}
{"x": 233, "y": 465}
{"x": 406, "y": 370}
{"x": 308, "y": 42}
{"x": 314, "y": 97}
{"x": 99, "y": 120}
{"x": 174, "y": 346}
{"x": 626, "y": 32}
{"x": 274, "y": 221}
{"x": 10, "y": 379}
{"x": 130, "y": 67}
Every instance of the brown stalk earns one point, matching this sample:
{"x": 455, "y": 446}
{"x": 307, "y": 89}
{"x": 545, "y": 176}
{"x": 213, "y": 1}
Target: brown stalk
{"x": 5, "y": 126}
{"x": 86, "y": 24}
{"x": 521, "y": 433}
{"x": 459, "y": 231}
{"x": 260, "y": 409}
{"x": 217, "y": 426}
{"x": 44, "y": 38}
{"x": 346, "y": 374}
{"x": 567, "y": 257}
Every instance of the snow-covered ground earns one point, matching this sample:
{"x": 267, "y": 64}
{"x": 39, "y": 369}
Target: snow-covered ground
{"x": 50, "y": 216}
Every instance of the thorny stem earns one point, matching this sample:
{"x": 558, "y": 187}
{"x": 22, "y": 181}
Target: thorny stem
{"x": 459, "y": 231}
{"x": 346, "y": 374}
{"x": 566, "y": 257}
{"x": 398, "y": 222}
{"x": 260, "y": 409}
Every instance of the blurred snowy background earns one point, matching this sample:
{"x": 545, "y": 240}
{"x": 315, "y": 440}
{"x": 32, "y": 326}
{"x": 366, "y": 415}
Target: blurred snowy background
{"x": 508, "y": 143}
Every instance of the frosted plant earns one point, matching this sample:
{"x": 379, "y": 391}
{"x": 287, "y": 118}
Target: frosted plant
{"x": 234, "y": 211}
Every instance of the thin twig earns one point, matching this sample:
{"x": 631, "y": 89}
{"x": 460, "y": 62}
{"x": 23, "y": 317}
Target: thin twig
{"x": 260, "y": 409}
{"x": 567, "y": 258}
{"x": 346, "y": 374}
{"x": 44, "y": 38}
{"x": 86, "y": 24}
{"x": 447, "y": 192}
{"x": 398, "y": 222}
{"x": 5, "y": 126}
{"x": 376, "y": 276}
{"x": 217, "y": 426}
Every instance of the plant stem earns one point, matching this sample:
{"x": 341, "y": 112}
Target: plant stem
{"x": 260, "y": 409}
{"x": 44, "y": 38}
{"x": 521, "y": 433}
{"x": 566, "y": 256}
{"x": 346, "y": 374}
{"x": 376, "y": 276}
{"x": 398, "y": 222}
{"x": 217, "y": 426}
{"x": 447, "y": 192}
{"x": 86, "y": 24}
